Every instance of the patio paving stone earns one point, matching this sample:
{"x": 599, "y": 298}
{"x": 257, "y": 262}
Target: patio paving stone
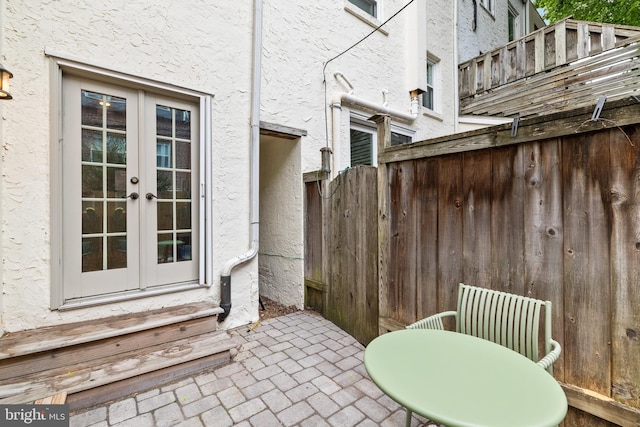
{"x": 299, "y": 369}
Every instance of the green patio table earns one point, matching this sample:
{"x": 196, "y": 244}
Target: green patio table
{"x": 460, "y": 380}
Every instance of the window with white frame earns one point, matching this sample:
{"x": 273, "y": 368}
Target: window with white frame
{"x": 487, "y": 4}
{"x": 364, "y": 140}
{"x": 132, "y": 190}
{"x": 429, "y": 96}
{"x": 363, "y": 144}
{"x": 513, "y": 23}
{"x": 368, "y": 6}
{"x": 399, "y": 138}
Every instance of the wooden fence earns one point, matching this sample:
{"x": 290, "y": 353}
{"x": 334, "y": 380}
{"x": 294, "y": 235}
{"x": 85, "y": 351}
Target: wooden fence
{"x": 314, "y": 289}
{"x": 553, "y": 213}
{"x": 341, "y": 254}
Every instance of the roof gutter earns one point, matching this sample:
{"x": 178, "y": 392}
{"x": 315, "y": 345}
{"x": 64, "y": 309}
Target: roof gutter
{"x": 225, "y": 278}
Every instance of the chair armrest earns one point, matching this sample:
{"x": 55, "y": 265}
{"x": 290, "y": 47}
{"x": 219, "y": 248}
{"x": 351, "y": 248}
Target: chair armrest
{"x": 551, "y": 357}
{"x": 432, "y": 322}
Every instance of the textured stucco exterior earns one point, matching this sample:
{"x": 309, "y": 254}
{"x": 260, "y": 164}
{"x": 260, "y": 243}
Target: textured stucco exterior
{"x": 207, "y": 47}
{"x": 281, "y": 255}
{"x": 490, "y": 29}
{"x": 300, "y": 38}
{"x": 190, "y": 45}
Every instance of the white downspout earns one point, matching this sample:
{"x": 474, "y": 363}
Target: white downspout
{"x": 383, "y": 108}
{"x": 254, "y": 215}
{"x": 456, "y": 94}
{"x": 336, "y": 114}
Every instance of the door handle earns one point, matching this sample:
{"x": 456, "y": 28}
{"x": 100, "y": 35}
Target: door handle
{"x": 151, "y": 196}
{"x": 132, "y": 196}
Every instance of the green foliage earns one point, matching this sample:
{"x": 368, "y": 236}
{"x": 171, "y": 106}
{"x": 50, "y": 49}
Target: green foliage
{"x": 621, "y": 12}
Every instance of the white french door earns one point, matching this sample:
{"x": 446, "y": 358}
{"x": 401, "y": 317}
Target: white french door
{"x": 130, "y": 189}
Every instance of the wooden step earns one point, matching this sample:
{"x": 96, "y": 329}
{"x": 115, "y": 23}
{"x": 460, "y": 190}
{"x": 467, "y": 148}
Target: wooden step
{"x": 97, "y": 361}
{"x": 112, "y": 369}
{"x": 89, "y": 352}
{"x": 56, "y": 337}
{"x": 56, "y": 399}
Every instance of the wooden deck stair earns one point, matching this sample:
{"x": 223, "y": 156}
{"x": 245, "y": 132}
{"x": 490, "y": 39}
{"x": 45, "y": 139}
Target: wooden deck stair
{"x": 100, "y": 360}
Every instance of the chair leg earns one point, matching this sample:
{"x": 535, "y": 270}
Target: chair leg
{"x": 408, "y": 422}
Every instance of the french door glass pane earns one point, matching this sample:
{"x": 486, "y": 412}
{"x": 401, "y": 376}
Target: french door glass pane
{"x": 92, "y": 109}
{"x": 117, "y": 254}
{"x": 116, "y": 113}
{"x": 92, "y": 185}
{"x": 116, "y": 182}
{"x": 163, "y": 153}
{"x": 183, "y": 155}
{"x": 104, "y": 182}
{"x": 165, "y": 184}
{"x": 174, "y": 174}
{"x": 117, "y": 217}
{"x": 164, "y": 121}
{"x": 183, "y": 215}
{"x": 183, "y": 185}
{"x": 165, "y": 215}
{"x": 116, "y": 148}
{"x": 92, "y": 217}
{"x": 165, "y": 248}
{"x": 183, "y": 124}
{"x": 184, "y": 246}
{"x": 92, "y": 254}
{"x": 91, "y": 145}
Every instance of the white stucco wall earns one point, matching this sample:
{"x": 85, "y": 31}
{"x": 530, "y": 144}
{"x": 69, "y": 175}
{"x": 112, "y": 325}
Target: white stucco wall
{"x": 2, "y": 118}
{"x": 299, "y": 38}
{"x": 197, "y": 44}
{"x": 281, "y": 255}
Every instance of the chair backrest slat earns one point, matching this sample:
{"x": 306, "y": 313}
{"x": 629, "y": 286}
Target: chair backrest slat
{"x": 500, "y": 330}
{"x": 506, "y": 319}
{"x": 483, "y": 316}
{"x": 463, "y": 322}
{"x": 533, "y": 320}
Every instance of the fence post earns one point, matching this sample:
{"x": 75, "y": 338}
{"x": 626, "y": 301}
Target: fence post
{"x": 384, "y": 140}
{"x": 325, "y": 203}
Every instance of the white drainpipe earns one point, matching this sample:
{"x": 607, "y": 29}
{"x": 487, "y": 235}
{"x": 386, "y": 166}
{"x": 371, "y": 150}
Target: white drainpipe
{"x": 381, "y": 108}
{"x": 225, "y": 279}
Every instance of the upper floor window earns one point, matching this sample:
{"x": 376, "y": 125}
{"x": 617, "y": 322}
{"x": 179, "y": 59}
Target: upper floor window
{"x": 488, "y": 4}
{"x": 513, "y": 24}
{"x": 429, "y": 98}
{"x": 369, "y": 6}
